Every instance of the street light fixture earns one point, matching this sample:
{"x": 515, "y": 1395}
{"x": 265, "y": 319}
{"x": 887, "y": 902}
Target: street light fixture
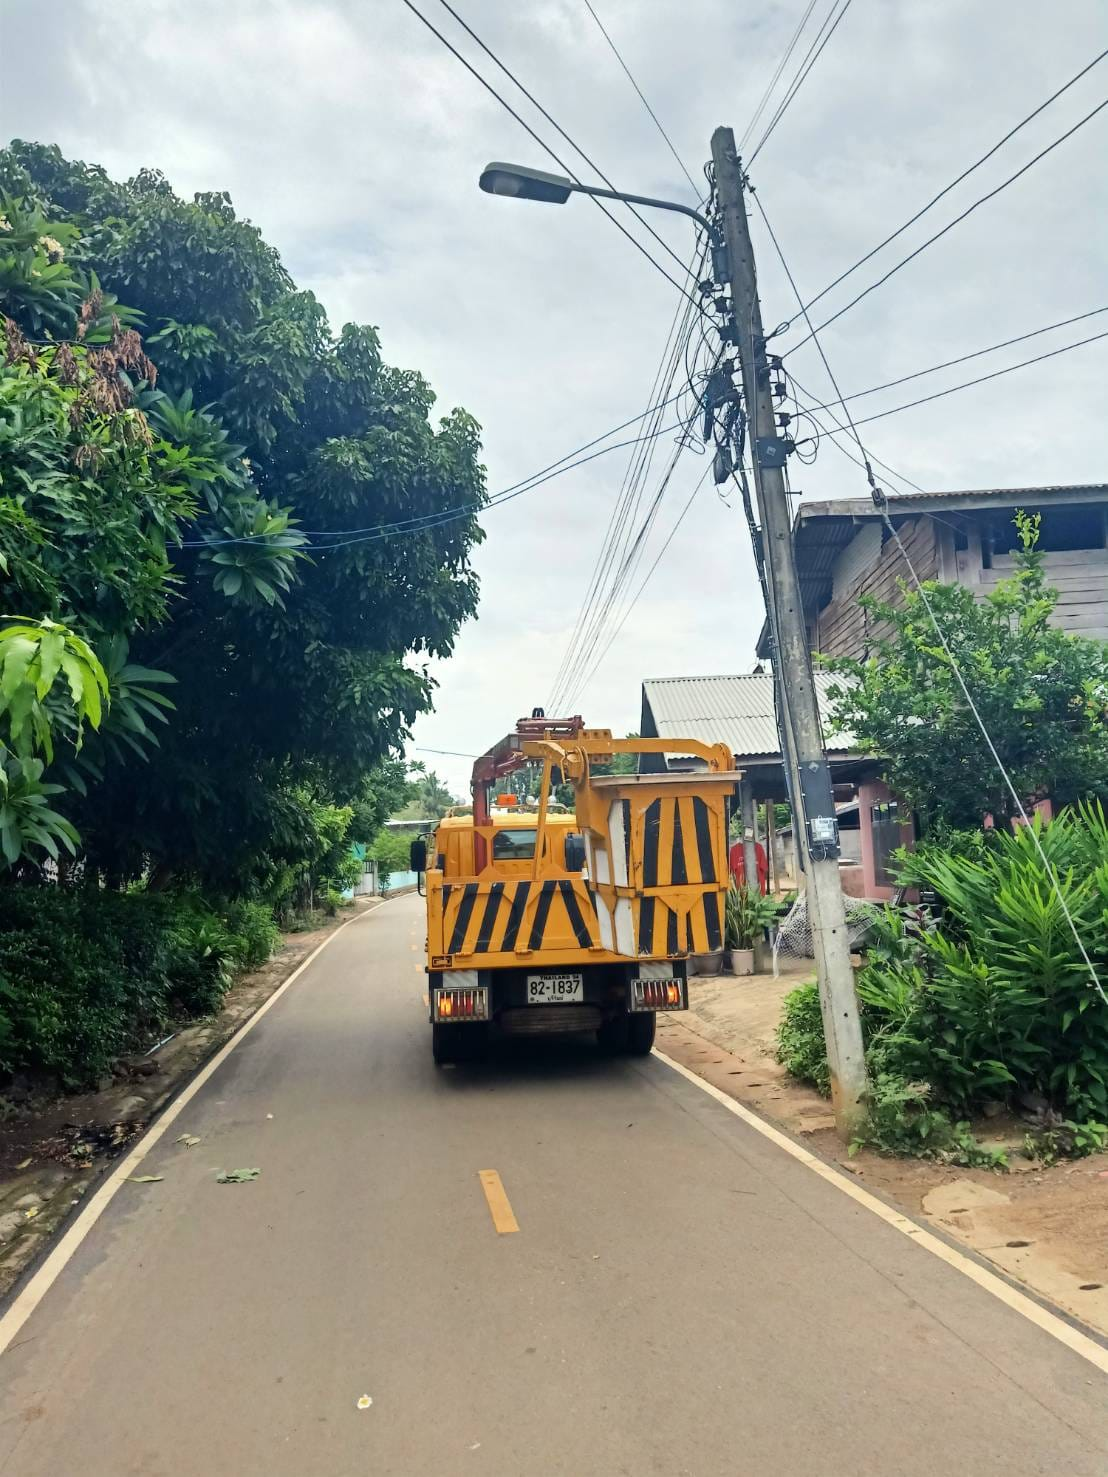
{"x": 554, "y": 189}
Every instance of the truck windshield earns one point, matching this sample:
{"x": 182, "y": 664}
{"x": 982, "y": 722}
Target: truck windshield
{"x": 513, "y": 846}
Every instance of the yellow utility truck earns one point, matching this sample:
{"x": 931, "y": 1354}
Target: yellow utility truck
{"x": 548, "y": 921}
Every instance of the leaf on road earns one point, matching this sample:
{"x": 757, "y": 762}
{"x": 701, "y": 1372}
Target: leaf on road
{"x": 144, "y": 1179}
{"x": 25, "y": 1164}
{"x": 190, "y": 1140}
{"x": 237, "y": 1176}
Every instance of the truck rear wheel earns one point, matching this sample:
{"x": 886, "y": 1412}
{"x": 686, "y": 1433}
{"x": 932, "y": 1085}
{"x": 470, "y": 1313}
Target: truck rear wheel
{"x": 451, "y": 1043}
{"x": 640, "y": 1032}
{"x": 630, "y": 1033}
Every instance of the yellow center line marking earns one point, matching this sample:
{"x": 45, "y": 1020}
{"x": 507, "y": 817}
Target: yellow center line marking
{"x": 500, "y": 1207}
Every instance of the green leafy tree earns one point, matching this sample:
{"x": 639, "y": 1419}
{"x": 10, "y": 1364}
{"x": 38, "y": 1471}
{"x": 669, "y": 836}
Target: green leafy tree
{"x": 290, "y": 668}
{"x": 429, "y": 799}
{"x": 1042, "y": 695}
{"x": 50, "y": 681}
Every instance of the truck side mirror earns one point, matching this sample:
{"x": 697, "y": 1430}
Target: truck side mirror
{"x": 417, "y": 859}
{"x": 575, "y": 852}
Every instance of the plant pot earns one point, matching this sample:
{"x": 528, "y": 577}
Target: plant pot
{"x": 742, "y": 961}
{"x": 707, "y": 963}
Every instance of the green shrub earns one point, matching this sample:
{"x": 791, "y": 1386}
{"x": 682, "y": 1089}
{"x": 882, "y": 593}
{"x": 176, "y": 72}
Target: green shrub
{"x": 88, "y": 975}
{"x": 996, "y": 998}
{"x": 986, "y": 1000}
{"x": 254, "y": 931}
{"x": 800, "y": 1044}
{"x": 904, "y": 1119}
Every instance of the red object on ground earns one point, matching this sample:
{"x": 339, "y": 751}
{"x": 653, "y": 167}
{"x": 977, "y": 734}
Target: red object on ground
{"x": 738, "y": 867}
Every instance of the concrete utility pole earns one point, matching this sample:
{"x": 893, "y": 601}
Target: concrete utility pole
{"x": 815, "y": 828}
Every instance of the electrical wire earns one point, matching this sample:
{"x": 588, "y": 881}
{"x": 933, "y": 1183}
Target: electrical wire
{"x": 963, "y": 358}
{"x": 773, "y": 81}
{"x": 802, "y": 73}
{"x": 451, "y": 515}
{"x": 840, "y": 429}
{"x": 657, "y": 123}
{"x": 982, "y": 200}
{"x": 618, "y": 515}
{"x": 623, "y": 511}
{"x": 981, "y": 379}
{"x": 628, "y": 563}
{"x": 646, "y": 580}
{"x": 543, "y": 144}
{"x": 662, "y": 242}
{"x": 814, "y": 335}
{"x": 954, "y": 182}
{"x": 507, "y": 494}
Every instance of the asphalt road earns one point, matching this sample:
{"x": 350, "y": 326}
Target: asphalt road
{"x": 681, "y": 1296}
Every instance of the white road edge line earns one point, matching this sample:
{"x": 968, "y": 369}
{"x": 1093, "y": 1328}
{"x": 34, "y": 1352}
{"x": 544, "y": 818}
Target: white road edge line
{"x": 1050, "y": 1323}
{"x": 40, "y": 1283}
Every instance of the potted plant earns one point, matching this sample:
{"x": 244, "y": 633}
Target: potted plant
{"x": 746, "y": 917}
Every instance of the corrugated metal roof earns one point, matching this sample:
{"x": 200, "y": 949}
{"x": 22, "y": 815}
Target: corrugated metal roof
{"x": 734, "y": 710}
{"x": 862, "y": 507}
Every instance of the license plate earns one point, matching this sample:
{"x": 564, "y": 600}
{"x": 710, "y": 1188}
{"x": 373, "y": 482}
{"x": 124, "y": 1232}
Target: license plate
{"x": 555, "y": 989}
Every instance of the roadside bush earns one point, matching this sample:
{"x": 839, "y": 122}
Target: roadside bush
{"x": 87, "y": 976}
{"x": 800, "y": 1043}
{"x": 254, "y": 932}
{"x": 987, "y": 1001}
{"x": 997, "y": 1000}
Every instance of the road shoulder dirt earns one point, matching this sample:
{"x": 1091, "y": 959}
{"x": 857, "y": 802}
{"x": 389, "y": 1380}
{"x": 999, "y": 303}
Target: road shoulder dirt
{"x": 1046, "y": 1227}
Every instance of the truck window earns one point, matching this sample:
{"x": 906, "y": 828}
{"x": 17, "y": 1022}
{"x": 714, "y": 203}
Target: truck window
{"x": 513, "y": 846}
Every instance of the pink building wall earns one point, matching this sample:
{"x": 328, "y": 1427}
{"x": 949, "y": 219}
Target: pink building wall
{"x": 876, "y": 792}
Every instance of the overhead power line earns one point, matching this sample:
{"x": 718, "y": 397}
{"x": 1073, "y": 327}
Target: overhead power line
{"x": 957, "y": 181}
{"x": 773, "y": 81}
{"x": 983, "y": 378}
{"x": 624, "y": 575}
{"x": 802, "y": 72}
{"x": 637, "y": 596}
{"x": 962, "y": 358}
{"x": 982, "y": 200}
{"x": 617, "y": 534}
{"x": 565, "y": 463}
{"x": 657, "y": 122}
{"x": 662, "y": 242}
{"x": 813, "y": 413}
{"x": 635, "y": 242}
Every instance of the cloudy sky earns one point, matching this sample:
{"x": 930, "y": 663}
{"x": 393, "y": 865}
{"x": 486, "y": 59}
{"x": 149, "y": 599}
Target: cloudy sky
{"x": 354, "y": 140}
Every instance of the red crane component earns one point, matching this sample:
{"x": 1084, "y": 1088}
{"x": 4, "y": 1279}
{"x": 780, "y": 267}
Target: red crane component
{"x": 505, "y": 757}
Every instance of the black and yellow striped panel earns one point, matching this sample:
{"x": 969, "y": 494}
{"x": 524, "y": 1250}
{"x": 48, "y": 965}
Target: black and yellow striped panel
{"x": 498, "y": 917}
{"x": 667, "y": 927}
{"x": 677, "y": 842}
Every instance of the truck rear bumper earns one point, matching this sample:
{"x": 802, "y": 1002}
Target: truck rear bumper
{"x": 504, "y": 996}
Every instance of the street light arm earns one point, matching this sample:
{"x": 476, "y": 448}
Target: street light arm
{"x": 555, "y": 189}
{"x": 645, "y": 200}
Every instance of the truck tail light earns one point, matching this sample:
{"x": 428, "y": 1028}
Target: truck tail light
{"x": 662, "y": 994}
{"x": 462, "y": 1004}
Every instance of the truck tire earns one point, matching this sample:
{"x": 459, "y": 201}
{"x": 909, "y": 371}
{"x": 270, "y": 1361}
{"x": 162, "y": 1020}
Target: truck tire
{"x": 451, "y": 1043}
{"x": 630, "y": 1033}
{"x": 640, "y": 1032}
{"x": 613, "y": 1036}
